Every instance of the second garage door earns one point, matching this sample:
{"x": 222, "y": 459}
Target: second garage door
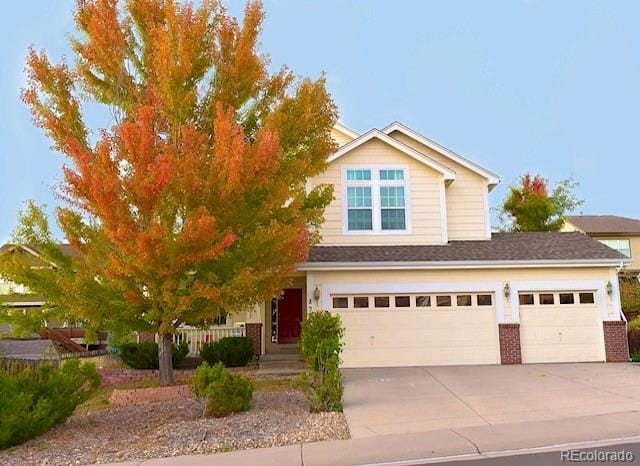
{"x": 383, "y": 330}
{"x": 560, "y": 327}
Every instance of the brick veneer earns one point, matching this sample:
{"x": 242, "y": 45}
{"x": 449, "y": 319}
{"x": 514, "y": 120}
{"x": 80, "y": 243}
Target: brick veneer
{"x": 616, "y": 345}
{"x": 510, "y": 343}
{"x": 112, "y": 377}
{"x": 254, "y": 331}
{"x": 146, "y": 336}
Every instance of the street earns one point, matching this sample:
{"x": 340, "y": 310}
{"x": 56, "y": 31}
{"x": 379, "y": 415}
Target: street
{"x": 626, "y": 454}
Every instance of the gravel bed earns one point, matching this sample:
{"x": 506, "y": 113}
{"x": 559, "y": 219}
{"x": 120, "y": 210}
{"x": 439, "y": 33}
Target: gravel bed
{"x": 176, "y": 428}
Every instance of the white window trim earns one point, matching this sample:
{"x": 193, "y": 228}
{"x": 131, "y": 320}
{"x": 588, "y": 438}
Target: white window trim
{"x": 375, "y": 183}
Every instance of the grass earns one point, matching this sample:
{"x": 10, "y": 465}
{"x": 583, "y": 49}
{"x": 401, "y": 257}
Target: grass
{"x": 273, "y": 384}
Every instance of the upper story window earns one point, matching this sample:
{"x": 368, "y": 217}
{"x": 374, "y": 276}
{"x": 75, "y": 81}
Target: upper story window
{"x": 376, "y": 200}
{"x": 620, "y": 245}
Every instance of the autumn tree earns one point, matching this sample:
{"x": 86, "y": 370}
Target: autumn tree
{"x": 530, "y": 206}
{"x": 194, "y": 201}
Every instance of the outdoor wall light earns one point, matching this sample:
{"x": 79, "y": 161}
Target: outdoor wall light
{"x": 316, "y": 294}
{"x": 507, "y": 291}
{"x": 609, "y": 288}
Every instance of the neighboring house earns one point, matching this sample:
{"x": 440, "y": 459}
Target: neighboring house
{"x": 408, "y": 261}
{"x": 619, "y": 233}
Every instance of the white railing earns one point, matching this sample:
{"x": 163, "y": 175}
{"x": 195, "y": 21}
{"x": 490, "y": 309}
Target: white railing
{"x": 196, "y": 337}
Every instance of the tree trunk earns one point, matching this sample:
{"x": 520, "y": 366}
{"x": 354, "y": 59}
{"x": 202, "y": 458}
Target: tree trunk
{"x": 166, "y": 359}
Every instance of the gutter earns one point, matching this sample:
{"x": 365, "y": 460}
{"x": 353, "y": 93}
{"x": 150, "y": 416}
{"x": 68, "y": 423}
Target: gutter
{"x": 439, "y": 265}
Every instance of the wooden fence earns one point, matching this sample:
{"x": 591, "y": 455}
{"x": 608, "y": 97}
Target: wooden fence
{"x": 18, "y": 364}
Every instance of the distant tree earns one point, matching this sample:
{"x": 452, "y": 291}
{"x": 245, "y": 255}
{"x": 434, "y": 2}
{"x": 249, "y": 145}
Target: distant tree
{"x": 530, "y": 207}
{"x": 194, "y": 202}
{"x": 630, "y": 294}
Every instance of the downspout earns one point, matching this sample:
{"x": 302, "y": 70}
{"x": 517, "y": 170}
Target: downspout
{"x": 618, "y": 269}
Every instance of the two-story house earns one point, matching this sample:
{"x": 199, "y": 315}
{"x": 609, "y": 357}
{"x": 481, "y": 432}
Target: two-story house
{"x": 409, "y": 262}
{"x": 619, "y": 233}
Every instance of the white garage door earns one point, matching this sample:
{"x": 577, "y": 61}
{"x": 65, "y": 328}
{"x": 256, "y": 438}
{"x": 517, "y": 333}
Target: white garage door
{"x": 560, "y": 327}
{"x": 383, "y": 330}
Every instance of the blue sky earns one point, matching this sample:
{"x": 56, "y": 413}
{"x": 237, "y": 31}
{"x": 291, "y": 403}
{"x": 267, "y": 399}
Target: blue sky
{"x": 517, "y": 86}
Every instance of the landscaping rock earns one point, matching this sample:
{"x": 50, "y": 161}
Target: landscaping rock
{"x": 173, "y": 428}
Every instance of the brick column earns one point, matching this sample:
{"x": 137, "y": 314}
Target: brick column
{"x": 509, "y": 343}
{"x": 616, "y": 345}
{"x": 254, "y": 331}
{"x": 146, "y": 336}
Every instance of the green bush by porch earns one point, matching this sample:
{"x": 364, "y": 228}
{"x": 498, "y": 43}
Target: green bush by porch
{"x": 230, "y": 351}
{"x": 144, "y": 355}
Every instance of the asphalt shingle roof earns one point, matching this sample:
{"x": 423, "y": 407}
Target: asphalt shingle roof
{"x": 611, "y": 224}
{"x": 551, "y": 246}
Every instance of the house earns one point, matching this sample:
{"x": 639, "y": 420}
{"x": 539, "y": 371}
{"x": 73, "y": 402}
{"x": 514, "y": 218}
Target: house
{"x": 409, "y": 262}
{"x": 619, "y": 233}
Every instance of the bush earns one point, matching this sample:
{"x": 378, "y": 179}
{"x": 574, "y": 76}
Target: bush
{"x": 635, "y": 356}
{"x": 35, "y": 400}
{"x": 144, "y": 355}
{"x": 223, "y": 391}
{"x": 230, "y": 351}
{"x": 321, "y": 345}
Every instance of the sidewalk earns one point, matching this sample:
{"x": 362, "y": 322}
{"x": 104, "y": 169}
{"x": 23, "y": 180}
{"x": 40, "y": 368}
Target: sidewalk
{"x": 463, "y": 443}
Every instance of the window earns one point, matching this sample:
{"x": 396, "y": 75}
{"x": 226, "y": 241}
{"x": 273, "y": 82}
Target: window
{"x": 586, "y": 298}
{"x": 547, "y": 298}
{"x": 361, "y": 301}
{"x": 620, "y": 245}
{"x": 392, "y": 214}
{"x": 403, "y": 301}
{"x": 381, "y": 301}
{"x": 443, "y": 301}
{"x": 376, "y": 200}
{"x": 360, "y": 208}
{"x": 391, "y": 175}
{"x": 463, "y": 300}
{"x": 485, "y": 300}
{"x": 341, "y": 302}
{"x": 358, "y": 175}
{"x": 423, "y": 301}
{"x": 566, "y": 298}
{"x": 525, "y": 299}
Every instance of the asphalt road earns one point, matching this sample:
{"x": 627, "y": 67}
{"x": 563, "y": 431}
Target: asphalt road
{"x": 627, "y": 454}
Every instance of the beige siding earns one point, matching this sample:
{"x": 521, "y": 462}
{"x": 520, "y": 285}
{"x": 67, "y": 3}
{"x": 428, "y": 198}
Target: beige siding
{"x": 340, "y": 137}
{"x": 466, "y": 208}
{"x": 423, "y": 197}
{"x": 466, "y": 276}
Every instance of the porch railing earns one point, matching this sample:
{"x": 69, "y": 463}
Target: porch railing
{"x": 196, "y": 337}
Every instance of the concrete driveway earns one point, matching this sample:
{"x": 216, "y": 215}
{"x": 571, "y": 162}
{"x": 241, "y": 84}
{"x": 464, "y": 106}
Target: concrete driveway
{"x": 418, "y": 399}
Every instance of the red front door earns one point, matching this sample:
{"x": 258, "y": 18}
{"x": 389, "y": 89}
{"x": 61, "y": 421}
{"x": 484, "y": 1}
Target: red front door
{"x": 289, "y": 315}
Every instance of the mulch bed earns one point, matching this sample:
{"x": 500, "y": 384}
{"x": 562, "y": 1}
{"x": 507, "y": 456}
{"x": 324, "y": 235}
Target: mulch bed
{"x": 171, "y": 428}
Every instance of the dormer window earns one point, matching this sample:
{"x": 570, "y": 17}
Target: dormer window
{"x": 375, "y": 200}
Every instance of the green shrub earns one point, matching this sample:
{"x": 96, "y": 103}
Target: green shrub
{"x": 633, "y": 325}
{"x": 223, "y": 391}
{"x": 144, "y": 355}
{"x": 32, "y": 401}
{"x": 230, "y": 351}
{"x": 635, "y": 356}
{"x": 321, "y": 345}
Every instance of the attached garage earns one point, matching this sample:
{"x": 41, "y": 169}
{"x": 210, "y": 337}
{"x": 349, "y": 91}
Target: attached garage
{"x": 560, "y": 326}
{"x": 415, "y": 329}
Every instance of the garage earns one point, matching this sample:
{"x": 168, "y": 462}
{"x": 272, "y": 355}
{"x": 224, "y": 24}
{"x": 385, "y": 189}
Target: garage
{"x": 560, "y": 326}
{"x": 416, "y": 329}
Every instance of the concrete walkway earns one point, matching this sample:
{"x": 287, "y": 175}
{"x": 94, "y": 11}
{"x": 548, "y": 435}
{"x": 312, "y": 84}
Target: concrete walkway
{"x": 433, "y": 446}
{"x": 387, "y": 401}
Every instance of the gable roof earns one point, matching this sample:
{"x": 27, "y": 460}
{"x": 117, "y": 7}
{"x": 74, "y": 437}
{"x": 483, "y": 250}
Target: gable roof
{"x": 377, "y": 134}
{"x": 611, "y": 224}
{"x": 344, "y": 130}
{"x": 504, "y": 249}
{"x": 491, "y": 177}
